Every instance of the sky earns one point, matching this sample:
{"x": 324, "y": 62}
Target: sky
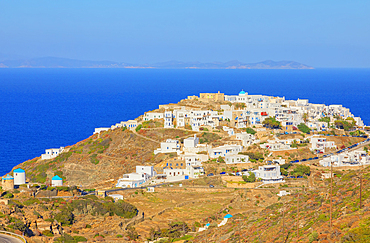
{"x": 326, "y": 34}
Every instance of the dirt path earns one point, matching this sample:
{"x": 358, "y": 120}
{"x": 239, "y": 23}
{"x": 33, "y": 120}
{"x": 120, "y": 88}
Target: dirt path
{"x": 145, "y": 137}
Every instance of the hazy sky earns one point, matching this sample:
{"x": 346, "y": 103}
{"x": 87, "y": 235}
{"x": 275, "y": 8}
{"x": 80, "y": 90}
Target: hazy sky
{"x": 320, "y": 33}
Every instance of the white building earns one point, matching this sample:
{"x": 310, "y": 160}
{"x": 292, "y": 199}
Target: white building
{"x": 153, "y": 115}
{"x": 246, "y": 138}
{"x": 194, "y": 159}
{"x": 320, "y": 143}
{"x": 269, "y": 174}
{"x": 147, "y": 170}
{"x": 191, "y": 142}
{"x": 229, "y": 130}
{"x": 168, "y": 119}
{"x": 353, "y": 158}
{"x": 52, "y": 153}
{"x": 19, "y": 177}
{"x": 236, "y": 159}
{"x": 170, "y": 146}
{"x": 116, "y": 197}
{"x": 283, "y": 193}
{"x": 169, "y": 171}
{"x": 180, "y": 118}
{"x": 275, "y": 146}
{"x": 130, "y": 124}
{"x": 131, "y": 180}
{"x": 195, "y": 171}
{"x": 56, "y": 181}
{"x": 224, "y": 150}
{"x": 101, "y": 129}
{"x": 143, "y": 173}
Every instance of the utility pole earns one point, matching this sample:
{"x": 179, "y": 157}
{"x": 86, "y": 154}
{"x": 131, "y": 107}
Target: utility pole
{"x": 283, "y": 220}
{"x": 298, "y": 216}
{"x": 331, "y": 194}
{"x": 361, "y": 187}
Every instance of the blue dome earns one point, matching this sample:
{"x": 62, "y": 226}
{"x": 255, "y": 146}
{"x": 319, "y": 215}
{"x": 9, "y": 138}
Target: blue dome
{"x": 227, "y": 216}
{"x": 242, "y": 92}
{"x": 19, "y": 170}
{"x": 8, "y": 177}
{"x": 56, "y": 178}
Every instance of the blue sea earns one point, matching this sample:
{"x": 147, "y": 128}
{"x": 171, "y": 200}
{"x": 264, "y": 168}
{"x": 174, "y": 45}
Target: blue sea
{"x": 47, "y": 108}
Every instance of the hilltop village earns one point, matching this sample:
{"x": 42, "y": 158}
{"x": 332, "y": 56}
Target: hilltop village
{"x": 222, "y": 156}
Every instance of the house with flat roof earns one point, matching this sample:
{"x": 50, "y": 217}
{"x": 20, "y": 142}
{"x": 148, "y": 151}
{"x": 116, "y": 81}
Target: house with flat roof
{"x": 224, "y": 150}
{"x": 236, "y": 159}
{"x": 170, "y": 146}
{"x": 269, "y": 174}
{"x": 52, "y": 153}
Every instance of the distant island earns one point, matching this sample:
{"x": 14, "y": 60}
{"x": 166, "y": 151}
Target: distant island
{"x": 56, "y": 62}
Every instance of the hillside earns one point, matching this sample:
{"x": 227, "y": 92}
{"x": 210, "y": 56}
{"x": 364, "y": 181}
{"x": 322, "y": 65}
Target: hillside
{"x": 350, "y": 223}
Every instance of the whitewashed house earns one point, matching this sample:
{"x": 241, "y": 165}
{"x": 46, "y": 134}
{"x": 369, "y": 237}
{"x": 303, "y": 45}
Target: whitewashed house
{"x": 275, "y": 146}
{"x": 269, "y": 174}
{"x": 153, "y": 115}
{"x": 320, "y": 143}
{"x": 101, "y": 129}
{"x": 246, "y": 138}
{"x": 131, "y": 180}
{"x": 236, "y": 159}
{"x": 143, "y": 173}
{"x": 224, "y": 150}
{"x": 168, "y": 119}
{"x": 191, "y": 142}
{"x": 229, "y": 130}
{"x": 353, "y": 158}
{"x": 116, "y": 197}
{"x": 52, "y": 153}
{"x": 170, "y": 146}
{"x": 130, "y": 124}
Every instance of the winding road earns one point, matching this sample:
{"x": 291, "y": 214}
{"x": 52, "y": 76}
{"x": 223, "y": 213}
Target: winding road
{"x": 9, "y": 239}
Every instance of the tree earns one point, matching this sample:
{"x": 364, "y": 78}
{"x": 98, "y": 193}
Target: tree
{"x": 301, "y": 170}
{"x": 250, "y": 130}
{"x": 303, "y": 128}
{"x": 250, "y": 178}
{"x": 283, "y": 171}
{"x": 131, "y": 233}
{"x": 294, "y": 144}
{"x": 305, "y": 117}
{"x": 271, "y": 122}
{"x": 340, "y": 124}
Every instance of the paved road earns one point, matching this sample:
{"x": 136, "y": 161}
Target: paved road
{"x": 9, "y": 239}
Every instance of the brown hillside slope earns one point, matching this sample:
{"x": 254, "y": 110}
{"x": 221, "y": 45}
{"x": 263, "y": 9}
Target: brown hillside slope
{"x": 350, "y": 223}
{"x": 96, "y": 160}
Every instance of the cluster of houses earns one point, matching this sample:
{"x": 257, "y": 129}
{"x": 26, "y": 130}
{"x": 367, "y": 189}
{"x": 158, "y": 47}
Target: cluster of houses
{"x": 318, "y": 144}
{"x": 241, "y": 111}
{"x": 188, "y": 163}
{"x": 349, "y": 158}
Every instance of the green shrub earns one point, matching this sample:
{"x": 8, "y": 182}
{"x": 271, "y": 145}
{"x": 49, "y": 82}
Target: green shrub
{"x": 48, "y": 233}
{"x": 65, "y": 217}
{"x": 138, "y": 128}
{"x": 250, "y": 130}
{"x": 8, "y": 195}
{"x": 94, "y": 159}
{"x": 313, "y": 237}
